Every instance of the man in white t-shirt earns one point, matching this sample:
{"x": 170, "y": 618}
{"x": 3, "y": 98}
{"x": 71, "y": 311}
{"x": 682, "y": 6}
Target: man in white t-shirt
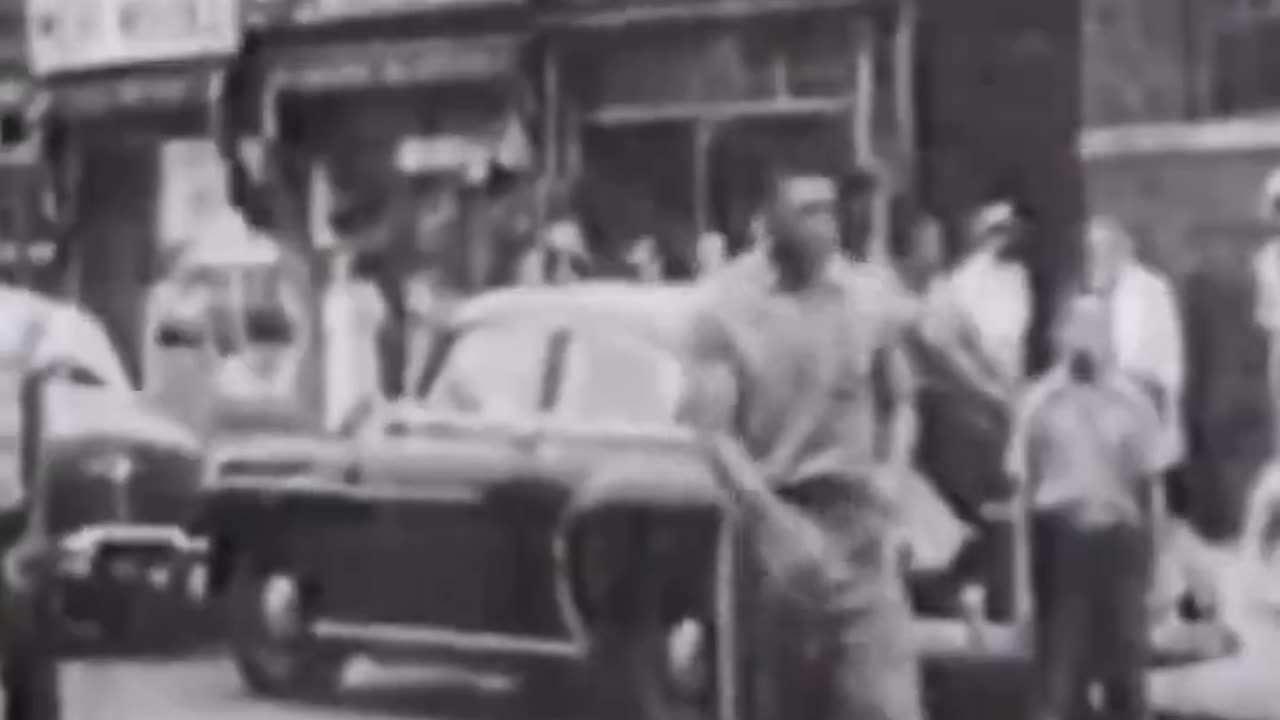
{"x": 1266, "y": 269}
{"x": 983, "y": 306}
{"x": 1145, "y": 321}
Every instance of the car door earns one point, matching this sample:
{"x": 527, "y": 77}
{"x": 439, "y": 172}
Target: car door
{"x": 441, "y": 555}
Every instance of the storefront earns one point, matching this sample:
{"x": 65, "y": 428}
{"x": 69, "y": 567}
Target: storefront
{"x": 33, "y": 251}
{"x": 383, "y": 124}
{"x": 683, "y": 106}
{"x": 122, "y": 78}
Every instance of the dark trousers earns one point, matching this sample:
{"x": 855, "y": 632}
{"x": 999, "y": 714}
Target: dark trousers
{"x": 1091, "y": 587}
{"x": 852, "y": 658}
{"x": 28, "y": 644}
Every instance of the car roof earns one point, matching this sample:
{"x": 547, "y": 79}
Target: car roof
{"x": 666, "y": 311}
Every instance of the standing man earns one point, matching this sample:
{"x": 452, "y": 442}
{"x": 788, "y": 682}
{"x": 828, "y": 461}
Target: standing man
{"x": 1266, "y": 270}
{"x": 817, "y": 390}
{"x": 973, "y": 330}
{"x": 1146, "y": 329}
{"x": 1086, "y": 449}
{"x": 984, "y": 303}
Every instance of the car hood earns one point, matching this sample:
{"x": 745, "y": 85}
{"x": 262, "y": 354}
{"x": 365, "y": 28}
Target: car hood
{"x": 273, "y": 448}
{"x": 76, "y": 413}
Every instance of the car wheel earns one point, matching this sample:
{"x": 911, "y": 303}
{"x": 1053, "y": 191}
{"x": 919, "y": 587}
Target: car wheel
{"x": 271, "y": 642}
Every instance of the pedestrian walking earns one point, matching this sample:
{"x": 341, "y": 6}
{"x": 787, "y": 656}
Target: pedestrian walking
{"x": 1086, "y": 449}
{"x": 801, "y": 342}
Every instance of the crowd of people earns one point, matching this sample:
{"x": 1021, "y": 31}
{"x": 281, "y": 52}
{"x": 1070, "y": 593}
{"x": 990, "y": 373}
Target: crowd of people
{"x": 819, "y": 370}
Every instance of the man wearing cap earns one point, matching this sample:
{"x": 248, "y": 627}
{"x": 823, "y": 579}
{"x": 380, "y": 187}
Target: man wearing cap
{"x": 972, "y": 331}
{"x": 817, "y": 391}
{"x": 986, "y": 299}
{"x": 1086, "y": 450}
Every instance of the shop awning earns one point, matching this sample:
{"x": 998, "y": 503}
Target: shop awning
{"x": 149, "y": 89}
{"x": 335, "y": 67}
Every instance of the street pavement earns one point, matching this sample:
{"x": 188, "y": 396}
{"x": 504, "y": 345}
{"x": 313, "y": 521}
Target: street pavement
{"x": 204, "y": 686}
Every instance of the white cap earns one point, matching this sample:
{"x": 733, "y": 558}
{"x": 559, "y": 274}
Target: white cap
{"x": 992, "y": 217}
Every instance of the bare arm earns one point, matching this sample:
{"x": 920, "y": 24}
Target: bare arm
{"x": 902, "y": 419}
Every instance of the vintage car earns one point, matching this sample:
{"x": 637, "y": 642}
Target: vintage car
{"x": 118, "y": 477}
{"x": 533, "y": 500}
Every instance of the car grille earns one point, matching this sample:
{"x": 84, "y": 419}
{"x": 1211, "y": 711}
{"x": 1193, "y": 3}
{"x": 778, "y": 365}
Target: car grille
{"x": 161, "y": 489}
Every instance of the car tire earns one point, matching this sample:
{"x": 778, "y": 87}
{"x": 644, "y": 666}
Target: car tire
{"x": 274, "y": 664}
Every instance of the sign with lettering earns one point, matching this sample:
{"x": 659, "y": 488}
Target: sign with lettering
{"x": 78, "y": 35}
{"x": 350, "y": 66}
{"x": 324, "y": 12}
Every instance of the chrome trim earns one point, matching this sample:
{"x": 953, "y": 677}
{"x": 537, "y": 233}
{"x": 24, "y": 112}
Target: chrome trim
{"x": 78, "y": 551}
{"x": 435, "y": 637}
{"x": 570, "y": 614}
{"x": 726, "y": 611}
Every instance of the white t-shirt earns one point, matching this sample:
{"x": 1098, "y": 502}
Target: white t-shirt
{"x": 1148, "y": 340}
{"x": 1266, "y": 273}
{"x": 993, "y": 297}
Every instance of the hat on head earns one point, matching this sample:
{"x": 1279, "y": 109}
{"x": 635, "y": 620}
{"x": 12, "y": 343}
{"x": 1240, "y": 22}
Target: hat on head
{"x": 994, "y": 217}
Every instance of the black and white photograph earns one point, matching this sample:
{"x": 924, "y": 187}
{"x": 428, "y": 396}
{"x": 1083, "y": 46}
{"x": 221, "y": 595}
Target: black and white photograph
{"x": 639, "y": 360}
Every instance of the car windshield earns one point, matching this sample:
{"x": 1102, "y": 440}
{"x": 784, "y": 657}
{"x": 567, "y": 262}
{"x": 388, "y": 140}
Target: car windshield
{"x": 614, "y": 376}
{"x": 495, "y": 370}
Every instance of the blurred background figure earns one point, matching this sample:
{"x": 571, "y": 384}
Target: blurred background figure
{"x": 353, "y": 314}
{"x": 919, "y": 248}
{"x": 559, "y": 254}
{"x": 711, "y": 252}
{"x": 1146, "y": 331}
{"x": 1266, "y": 270}
{"x": 989, "y": 293}
{"x": 645, "y": 261}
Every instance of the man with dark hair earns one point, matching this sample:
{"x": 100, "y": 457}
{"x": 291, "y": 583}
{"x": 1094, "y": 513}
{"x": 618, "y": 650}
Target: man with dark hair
{"x": 817, "y": 391}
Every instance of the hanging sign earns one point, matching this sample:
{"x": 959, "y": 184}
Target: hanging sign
{"x": 80, "y": 35}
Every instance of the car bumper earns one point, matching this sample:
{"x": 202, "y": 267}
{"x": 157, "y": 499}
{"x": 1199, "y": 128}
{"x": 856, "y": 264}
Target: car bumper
{"x": 162, "y": 558}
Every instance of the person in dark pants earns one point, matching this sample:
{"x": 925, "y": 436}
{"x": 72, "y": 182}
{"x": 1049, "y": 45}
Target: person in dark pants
{"x": 1087, "y": 447}
{"x": 28, "y": 645}
{"x": 805, "y": 344}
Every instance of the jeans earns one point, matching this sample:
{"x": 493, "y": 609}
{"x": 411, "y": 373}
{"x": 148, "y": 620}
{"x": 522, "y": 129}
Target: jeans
{"x": 1091, "y": 586}
{"x": 853, "y": 659}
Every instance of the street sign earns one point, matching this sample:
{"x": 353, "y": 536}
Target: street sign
{"x": 79, "y": 35}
